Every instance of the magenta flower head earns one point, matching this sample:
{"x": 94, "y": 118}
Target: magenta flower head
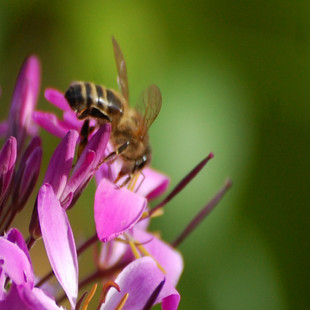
{"x": 69, "y": 188}
{"x": 15, "y": 265}
{"x": 137, "y": 282}
{"x": 137, "y": 269}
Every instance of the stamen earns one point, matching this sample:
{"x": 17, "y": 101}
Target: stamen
{"x": 156, "y": 213}
{"x": 134, "y": 249}
{"x": 150, "y": 302}
{"x": 106, "y": 287}
{"x": 135, "y": 246}
{"x": 122, "y": 302}
{"x": 80, "y": 301}
{"x": 90, "y": 296}
{"x": 202, "y": 214}
{"x": 135, "y": 243}
{"x": 144, "y": 251}
{"x": 183, "y": 183}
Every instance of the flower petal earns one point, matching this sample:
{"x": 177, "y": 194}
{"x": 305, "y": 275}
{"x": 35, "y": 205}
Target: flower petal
{"x": 15, "y": 264}
{"x": 3, "y": 128}
{"x": 17, "y": 238}
{"x": 61, "y": 163}
{"x": 87, "y": 164}
{"x": 24, "y": 99}
{"x": 59, "y": 241}
{"x": 116, "y": 210}
{"x": 140, "y": 279}
{"x": 36, "y": 299}
{"x": 51, "y": 123}
{"x": 8, "y": 155}
{"x": 12, "y": 300}
{"x": 110, "y": 253}
{"x": 57, "y": 98}
{"x": 27, "y": 175}
{"x": 109, "y": 170}
{"x": 168, "y": 257}
{"x": 153, "y": 184}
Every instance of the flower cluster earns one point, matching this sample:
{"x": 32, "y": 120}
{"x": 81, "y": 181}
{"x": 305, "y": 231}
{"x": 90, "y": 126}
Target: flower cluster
{"x": 136, "y": 267}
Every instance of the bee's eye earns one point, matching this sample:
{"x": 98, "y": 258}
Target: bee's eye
{"x": 141, "y": 162}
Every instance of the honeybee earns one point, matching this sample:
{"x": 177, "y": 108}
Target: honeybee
{"x": 129, "y": 134}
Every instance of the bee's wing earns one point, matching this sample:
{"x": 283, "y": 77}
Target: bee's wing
{"x": 121, "y": 69}
{"x": 149, "y": 106}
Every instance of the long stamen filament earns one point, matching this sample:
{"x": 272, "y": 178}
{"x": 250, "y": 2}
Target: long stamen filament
{"x": 90, "y": 296}
{"x": 183, "y": 183}
{"x": 145, "y": 252}
{"x": 202, "y": 214}
{"x": 122, "y": 302}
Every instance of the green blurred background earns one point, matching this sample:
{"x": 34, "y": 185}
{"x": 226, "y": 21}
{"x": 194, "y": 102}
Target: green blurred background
{"x": 234, "y": 77}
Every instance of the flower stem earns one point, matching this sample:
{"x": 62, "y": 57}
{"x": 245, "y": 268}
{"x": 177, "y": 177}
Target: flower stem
{"x": 30, "y": 242}
{"x": 93, "y": 239}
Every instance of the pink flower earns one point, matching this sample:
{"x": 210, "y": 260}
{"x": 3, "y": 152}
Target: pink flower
{"x": 69, "y": 188}
{"x": 50, "y": 121}
{"x": 15, "y": 264}
{"x": 139, "y": 280}
{"x": 145, "y": 268}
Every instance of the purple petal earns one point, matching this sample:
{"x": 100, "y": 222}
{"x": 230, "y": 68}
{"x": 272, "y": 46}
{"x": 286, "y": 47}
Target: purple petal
{"x": 27, "y": 175}
{"x": 169, "y": 258}
{"x": 98, "y": 144}
{"x": 24, "y": 99}
{"x": 14, "y": 236}
{"x": 153, "y": 184}
{"x": 12, "y": 300}
{"x": 3, "y": 128}
{"x": 59, "y": 241}
{"x": 111, "y": 252}
{"x": 8, "y": 155}
{"x": 15, "y": 264}
{"x": 116, "y": 210}
{"x": 71, "y": 121}
{"x": 57, "y": 99}
{"x": 109, "y": 170}
{"x": 61, "y": 163}
{"x": 78, "y": 178}
{"x": 87, "y": 163}
{"x": 36, "y": 299}
{"x": 51, "y": 123}
{"x": 140, "y": 279}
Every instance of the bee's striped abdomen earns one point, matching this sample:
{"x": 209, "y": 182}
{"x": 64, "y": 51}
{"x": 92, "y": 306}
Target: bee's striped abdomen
{"x": 89, "y": 99}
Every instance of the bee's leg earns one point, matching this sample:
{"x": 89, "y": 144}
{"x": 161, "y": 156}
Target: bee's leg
{"x": 118, "y": 151}
{"x": 112, "y": 156}
{"x": 84, "y": 137}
